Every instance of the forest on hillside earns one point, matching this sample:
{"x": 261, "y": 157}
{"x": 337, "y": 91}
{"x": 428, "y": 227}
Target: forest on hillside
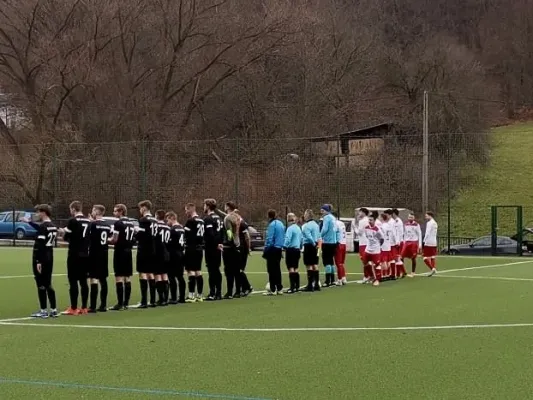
{"x": 107, "y": 96}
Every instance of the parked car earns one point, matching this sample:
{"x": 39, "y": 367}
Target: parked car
{"x": 21, "y": 230}
{"x": 527, "y": 239}
{"x": 256, "y": 238}
{"x": 483, "y": 246}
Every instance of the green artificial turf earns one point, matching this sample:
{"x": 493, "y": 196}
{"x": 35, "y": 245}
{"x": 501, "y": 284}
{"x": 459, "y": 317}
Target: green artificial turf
{"x": 248, "y": 349}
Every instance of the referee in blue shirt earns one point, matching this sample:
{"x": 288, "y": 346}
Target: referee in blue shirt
{"x": 272, "y": 254}
{"x": 328, "y": 233}
{"x": 293, "y": 250}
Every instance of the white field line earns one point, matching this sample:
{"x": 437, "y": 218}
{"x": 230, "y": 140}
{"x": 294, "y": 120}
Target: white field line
{"x": 484, "y": 267}
{"x": 15, "y": 319}
{"x": 307, "y": 329}
{"x": 497, "y": 278}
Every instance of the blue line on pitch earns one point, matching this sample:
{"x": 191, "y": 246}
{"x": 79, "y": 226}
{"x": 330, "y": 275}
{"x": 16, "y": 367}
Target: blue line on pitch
{"x": 159, "y": 392}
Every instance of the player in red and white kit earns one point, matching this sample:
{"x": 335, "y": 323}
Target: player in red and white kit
{"x": 429, "y": 252}
{"x": 412, "y": 242}
{"x": 372, "y": 254}
{"x": 362, "y": 223}
{"x": 340, "y": 252}
{"x": 398, "y": 269}
{"x": 386, "y": 247}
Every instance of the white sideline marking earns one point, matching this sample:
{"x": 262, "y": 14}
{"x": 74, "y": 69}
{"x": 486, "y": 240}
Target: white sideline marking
{"x": 15, "y": 319}
{"x": 485, "y": 267}
{"x": 308, "y": 329}
{"x": 498, "y": 278}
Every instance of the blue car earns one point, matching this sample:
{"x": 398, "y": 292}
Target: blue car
{"x": 21, "y": 230}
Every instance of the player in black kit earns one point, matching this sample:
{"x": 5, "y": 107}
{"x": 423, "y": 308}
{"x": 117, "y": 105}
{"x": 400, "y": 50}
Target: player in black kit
{"x": 231, "y": 255}
{"x": 162, "y": 258}
{"x": 77, "y": 235}
{"x": 194, "y": 241}
{"x": 213, "y": 248}
{"x": 175, "y": 269}
{"x": 245, "y": 248}
{"x": 123, "y": 240}
{"x": 146, "y": 236}
{"x": 43, "y": 261}
{"x": 98, "y": 258}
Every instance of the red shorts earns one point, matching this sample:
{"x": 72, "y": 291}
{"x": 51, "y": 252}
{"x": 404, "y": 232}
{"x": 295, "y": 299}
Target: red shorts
{"x": 362, "y": 249}
{"x": 372, "y": 258}
{"x": 340, "y": 254}
{"x": 395, "y": 252}
{"x": 386, "y": 256}
{"x": 429, "y": 251}
{"x": 410, "y": 250}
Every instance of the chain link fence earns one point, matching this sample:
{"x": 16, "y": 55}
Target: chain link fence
{"x": 285, "y": 174}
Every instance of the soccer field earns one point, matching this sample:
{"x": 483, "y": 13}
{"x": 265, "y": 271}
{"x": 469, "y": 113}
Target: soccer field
{"x": 465, "y": 334}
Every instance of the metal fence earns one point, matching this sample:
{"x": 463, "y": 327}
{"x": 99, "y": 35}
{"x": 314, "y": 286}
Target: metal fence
{"x": 284, "y": 174}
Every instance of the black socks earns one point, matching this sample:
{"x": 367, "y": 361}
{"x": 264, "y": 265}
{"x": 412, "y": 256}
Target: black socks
{"x": 144, "y": 291}
{"x": 151, "y": 286}
{"x": 200, "y": 284}
{"x": 127, "y": 293}
{"x": 120, "y": 293}
{"x": 94, "y": 295}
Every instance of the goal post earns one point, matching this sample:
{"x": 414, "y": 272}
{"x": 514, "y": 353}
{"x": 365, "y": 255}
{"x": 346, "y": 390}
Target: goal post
{"x": 510, "y": 225}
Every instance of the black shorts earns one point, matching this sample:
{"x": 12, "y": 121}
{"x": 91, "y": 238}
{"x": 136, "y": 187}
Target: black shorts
{"x": 161, "y": 266}
{"x": 44, "y": 278}
{"x": 310, "y": 255}
{"x": 213, "y": 258}
{"x": 193, "y": 259}
{"x": 123, "y": 262}
{"x": 328, "y": 253}
{"x": 77, "y": 267}
{"x": 232, "y": 259}
{"x": 144, "y": 263}
{"x": 292, "y": 258}
{"x": 175, "y": 265}
{"x": 98, "y": 266}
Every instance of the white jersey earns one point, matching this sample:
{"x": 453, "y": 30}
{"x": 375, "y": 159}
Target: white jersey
{"x": 398, "y": 230}
{"x": 412, "y": 232}
{"x": 379, "y": 223}
{"x": 430, "y": 238}
{"x": 342, "y": 229}
{"x": 388, "y": 236}
{"x": 363, "y": 223}
{"x": 374, "y": 236}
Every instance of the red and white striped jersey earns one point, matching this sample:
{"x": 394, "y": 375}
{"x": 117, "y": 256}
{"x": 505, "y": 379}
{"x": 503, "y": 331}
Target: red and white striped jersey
{"x": 430, "y": 237}
{"x": 373, "y": 236}
{"x": 398, "y": 230}
{"x": 388, "y": 236}
{"x": 412, "y": 232}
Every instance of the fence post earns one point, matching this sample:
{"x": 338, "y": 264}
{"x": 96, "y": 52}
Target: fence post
{"x": 143, "y": 170}
{"x": 236, "y": 172}
{"x": 55, "y": 183}
{"x": 14, "y": 226}
{"x": 448, "y": 162}
{"x": 337, "y": 174}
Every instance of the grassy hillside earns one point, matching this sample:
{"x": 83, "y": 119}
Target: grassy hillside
{"x": 507, "y": 180}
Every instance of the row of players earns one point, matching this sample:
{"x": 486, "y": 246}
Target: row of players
{"x": 166, "y": 249}
{"x": 386, "y": 241}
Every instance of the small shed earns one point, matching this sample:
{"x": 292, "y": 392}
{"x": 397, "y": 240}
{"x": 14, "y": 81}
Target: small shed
{"x": 355, "y": 147}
